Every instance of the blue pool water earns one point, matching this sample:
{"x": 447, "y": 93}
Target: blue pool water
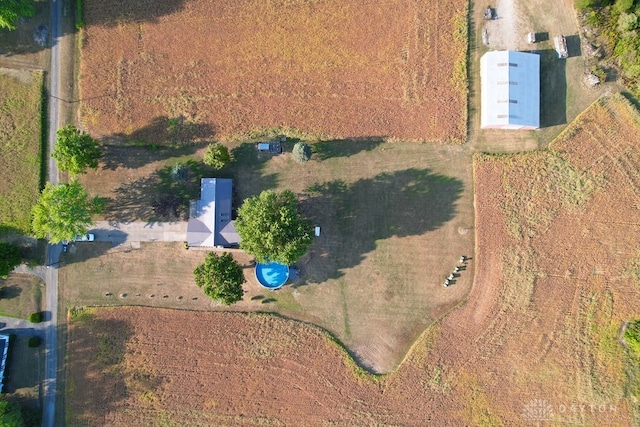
{"x": 272, "y": 275}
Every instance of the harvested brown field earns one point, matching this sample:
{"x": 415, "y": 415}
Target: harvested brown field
{"x": 537, "y": 340}
{"x": 383, "y": 68}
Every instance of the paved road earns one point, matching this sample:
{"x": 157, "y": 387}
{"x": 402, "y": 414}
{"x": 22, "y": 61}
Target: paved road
{"x": 126, "y": 232}
{"x": 53, "y": 252}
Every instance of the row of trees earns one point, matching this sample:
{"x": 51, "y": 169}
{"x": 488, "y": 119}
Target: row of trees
{"x": 66, "y": 210}
{"x": 62, "y": 211}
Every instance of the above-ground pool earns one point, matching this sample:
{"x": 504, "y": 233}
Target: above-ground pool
{"x": 272, "y": 275}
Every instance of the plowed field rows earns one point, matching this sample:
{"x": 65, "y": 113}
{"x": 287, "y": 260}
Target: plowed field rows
{"x": 538, "y": 339}
{"x": 386, "y": 68}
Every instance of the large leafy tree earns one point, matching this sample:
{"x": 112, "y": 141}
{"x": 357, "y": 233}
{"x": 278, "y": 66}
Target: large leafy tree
{"x": 221, "y": 278}
{"x": 64, "y": 211}
{"x": 12, "y": 10}
{"x": 10, "y": 414}
{"x": 272, "y": 228}
{"x": 9, "y": 258}
{"x": 75, "y": 151}
{"x": 217, "y": 156}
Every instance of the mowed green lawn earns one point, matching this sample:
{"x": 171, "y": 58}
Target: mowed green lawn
{"x": 20, "y": 147}
{"x": 21, "y": 295}
{"x": 394, "y": 217}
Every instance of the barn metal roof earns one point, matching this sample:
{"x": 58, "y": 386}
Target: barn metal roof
{"x": 510, "y": 90}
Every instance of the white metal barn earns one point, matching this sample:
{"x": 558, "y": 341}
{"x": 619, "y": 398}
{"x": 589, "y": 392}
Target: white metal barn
{"x": 510, "y": 90}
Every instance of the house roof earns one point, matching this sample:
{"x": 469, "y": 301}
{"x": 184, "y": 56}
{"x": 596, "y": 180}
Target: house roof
{"x": 212, "y": 224}
{"x": 510, "y": 90}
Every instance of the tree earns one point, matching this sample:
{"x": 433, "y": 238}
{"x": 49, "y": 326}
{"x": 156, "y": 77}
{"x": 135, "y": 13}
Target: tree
{"x": 10, "y": 414}
{"x": 75, "y": 151}
{"x": 217, "y": 156}
{"x": 12, "y": 10}
{"x": 64, "y": 211}
{"x": 272, "y": 229}
{"x": 301, "y": 152}
{"x": 9, "y": 258}
{"x": 221, "y": 278}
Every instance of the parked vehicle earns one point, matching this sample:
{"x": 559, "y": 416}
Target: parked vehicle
{"x": 85, "y": 238}
{"x": 561, "y": 46}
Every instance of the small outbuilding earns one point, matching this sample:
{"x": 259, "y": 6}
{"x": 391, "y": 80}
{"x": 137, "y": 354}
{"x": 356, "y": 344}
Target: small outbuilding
{"x": 510, "y": 90}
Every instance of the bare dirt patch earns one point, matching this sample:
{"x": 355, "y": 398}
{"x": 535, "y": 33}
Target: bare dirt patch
{"x": 346, "y": 69}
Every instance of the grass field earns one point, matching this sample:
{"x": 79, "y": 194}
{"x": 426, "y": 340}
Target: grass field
{"x": 373, "y": 277}
{"x": 555, "y": 282}
{"x": 345, "y": 69}
{"x": 20, "y": 147}
{"x": 21, "y": 295}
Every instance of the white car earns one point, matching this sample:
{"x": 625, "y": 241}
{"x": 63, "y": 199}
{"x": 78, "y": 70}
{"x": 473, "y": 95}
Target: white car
{"x": 86, "y": 238}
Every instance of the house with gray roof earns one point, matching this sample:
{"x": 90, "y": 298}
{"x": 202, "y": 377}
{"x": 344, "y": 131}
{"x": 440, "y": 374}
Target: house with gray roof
{"x": 210, "y": 223}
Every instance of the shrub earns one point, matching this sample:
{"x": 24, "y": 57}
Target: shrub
{"x": 79, "y": 15}
{"x": 600, "y": 74}
{"x": 34, "y": 342}
{"x": 301, "y": 152}
{"x": 36, "y": 317}
{"x": 217, "y": 156}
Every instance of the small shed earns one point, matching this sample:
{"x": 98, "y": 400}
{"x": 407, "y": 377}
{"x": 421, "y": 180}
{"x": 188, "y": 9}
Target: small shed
{"x": 271, "y": 147}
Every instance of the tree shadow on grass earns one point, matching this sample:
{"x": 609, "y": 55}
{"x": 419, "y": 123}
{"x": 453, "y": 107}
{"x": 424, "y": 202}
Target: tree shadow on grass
{"x": 133, "y": 201}
{"x": 10, "y": 292}
{"x": 162, "y": 196}
{"x": 344, "y": 147}
{"x": 161, "y": 139}
{"x": 354, "y": 216}
{"x": 21, "y": 40}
